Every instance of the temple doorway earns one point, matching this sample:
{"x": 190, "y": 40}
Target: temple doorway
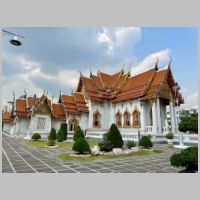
{"x": 72, "y": 124}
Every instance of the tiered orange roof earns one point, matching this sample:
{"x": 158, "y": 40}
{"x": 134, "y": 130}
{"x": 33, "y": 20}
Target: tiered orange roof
{"x": 75, "y": 103}
{"x": 7, "y": 117}
{"x": 58, "y": 111}
{"x": 20, "y": 107}
{"x": 122, "y": 87}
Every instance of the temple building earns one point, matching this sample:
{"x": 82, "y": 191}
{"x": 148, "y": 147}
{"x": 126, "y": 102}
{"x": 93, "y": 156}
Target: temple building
{"x": 131, "y": 102}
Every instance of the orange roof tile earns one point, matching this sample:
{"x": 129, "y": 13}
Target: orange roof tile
{"x": 7, "y": 117}
{"x": 58, "y": 111}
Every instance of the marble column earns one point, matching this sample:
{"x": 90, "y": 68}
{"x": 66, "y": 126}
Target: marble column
{"x": 154, "y": 115}
{"x": 158, "y": 115}
{"x": 90, "y": 121}
{"x": 171, "y": 106}
{"x": 143, "y": 118}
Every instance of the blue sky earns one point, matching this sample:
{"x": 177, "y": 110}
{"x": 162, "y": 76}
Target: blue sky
{"x": 51, "y": 58}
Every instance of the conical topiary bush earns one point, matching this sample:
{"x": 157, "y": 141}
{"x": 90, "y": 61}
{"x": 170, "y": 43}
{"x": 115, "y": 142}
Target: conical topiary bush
{"x": 115, "y": 137}
{"x": 78, "y": 133}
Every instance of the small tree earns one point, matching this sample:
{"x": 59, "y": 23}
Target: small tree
{"x": 78, "y": 133}
{"x": 115, "y": 137}
{"x": 36, "y": 136}
{"x": 81, "y": 146}
{"x": 188, "y": 158}
{"x": 60, "y": 136}
{"x": 189, "y": 123}
{"x": 63, "y": 127}
{"x": 52, "y": 135}
{"x": 145, "y": 142}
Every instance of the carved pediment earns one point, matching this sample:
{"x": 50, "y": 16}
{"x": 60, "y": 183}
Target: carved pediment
{"x": 43, "y": 108}
{"x": 165, "y": 91}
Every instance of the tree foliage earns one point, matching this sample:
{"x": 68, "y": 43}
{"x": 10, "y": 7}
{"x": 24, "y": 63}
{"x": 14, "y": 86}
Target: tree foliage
{"x": 63, "y": 127}
{"x": 81, "y": 146}
{"x": 52, "y": 134}
{"x": 188, "y": 158}
{"x": 189, "y": 123}
{"x": 78, "y": 133}
{"x": 115, "y": 137}
{"x": 60, "y": 136}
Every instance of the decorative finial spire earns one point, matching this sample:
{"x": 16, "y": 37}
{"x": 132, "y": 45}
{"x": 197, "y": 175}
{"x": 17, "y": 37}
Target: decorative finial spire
{"x": 156, "y": 64}
{"x": 90, "y": 72}
{"x": 170, "y": 61}
{"x": 25, "y": 92}
{"x": 13, "y": 94}
{"x": 80, "y": 73}
{"x": 98, "y": 71}
{"x": 72, "y": 91}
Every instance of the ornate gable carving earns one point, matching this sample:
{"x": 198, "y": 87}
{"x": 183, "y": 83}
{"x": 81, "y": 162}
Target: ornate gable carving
{"x": 43, "y": 108}
{"x": 165, "y": 91}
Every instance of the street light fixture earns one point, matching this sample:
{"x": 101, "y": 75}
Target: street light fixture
{"x": 15, "y": 41}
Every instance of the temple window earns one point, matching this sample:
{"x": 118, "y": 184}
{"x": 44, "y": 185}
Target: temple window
{"x": 127, "y": 122}
{"x": 136, "y": 119}
{"x": 119, "y": 119}
{"x": 41, "y": 123}
{"x": 96, "y": 120}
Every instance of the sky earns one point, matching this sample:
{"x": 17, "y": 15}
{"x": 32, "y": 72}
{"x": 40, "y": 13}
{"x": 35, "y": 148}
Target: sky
{"x": 52, "y": 58}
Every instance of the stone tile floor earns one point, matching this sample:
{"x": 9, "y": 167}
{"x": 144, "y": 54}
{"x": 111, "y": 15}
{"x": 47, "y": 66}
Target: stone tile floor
{"x": 18, "y": 157}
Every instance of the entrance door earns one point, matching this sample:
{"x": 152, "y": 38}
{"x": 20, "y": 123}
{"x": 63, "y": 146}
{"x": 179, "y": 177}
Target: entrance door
{"x": 72, "y": 124}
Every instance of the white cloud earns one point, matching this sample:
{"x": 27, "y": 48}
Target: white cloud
{"x": 120, "y": 39}
{"x": 191, "y": 101}
{"x": 150, "y": 60}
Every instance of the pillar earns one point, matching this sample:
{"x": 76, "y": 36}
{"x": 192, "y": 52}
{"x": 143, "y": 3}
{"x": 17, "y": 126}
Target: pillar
{"x": 158, "y": 115}
{"x": 143, "y": 118}
{"x": 90, "y": 121}
{"x": 154, "y": 117}
{"x": 171, "y": 106}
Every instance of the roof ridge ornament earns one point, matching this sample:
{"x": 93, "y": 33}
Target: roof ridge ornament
{"x": 81, "y": 75}
{"x": 169, "y": 65}
{"x": 156, "y": 64}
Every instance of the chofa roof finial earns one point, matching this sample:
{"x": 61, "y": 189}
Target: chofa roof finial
{"x": 170, "y": 61}
{"x": 156, "y": 64}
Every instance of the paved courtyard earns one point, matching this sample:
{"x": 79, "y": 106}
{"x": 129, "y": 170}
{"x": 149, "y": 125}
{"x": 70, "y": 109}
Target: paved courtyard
{"x": 18, "y": 157}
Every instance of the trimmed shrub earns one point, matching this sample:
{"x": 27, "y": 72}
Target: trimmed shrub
{"x": 52, "y": 134}
{"x": 188, "y": 158}
{"x": 60, "y": 136}
{"x": 169, "y": 136}
{"x": 130, "y": 144}
{"x": 51, "y": 143}
{"x": 81, "y": 146}
{"x": 63, "y": 127}
{"x": 106, "y": 146}
{"x": 36, "y": 136}
{"x": 78, "y": 133}
{"x": 145, "y": 142}
{"x": 115, "y": 137}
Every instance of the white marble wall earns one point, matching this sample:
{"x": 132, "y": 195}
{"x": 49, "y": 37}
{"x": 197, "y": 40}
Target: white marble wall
{"x": 33, "y": 125}
{"x": 22, "y": 126}
{"x": 56, "y": 123}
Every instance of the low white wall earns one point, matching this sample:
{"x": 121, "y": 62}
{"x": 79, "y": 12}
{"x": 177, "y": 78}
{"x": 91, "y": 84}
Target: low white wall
{"x": 7, "y": 127}
{"x": 56, "y": 123}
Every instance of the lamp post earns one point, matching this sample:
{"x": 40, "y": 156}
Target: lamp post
{"x": 181, "y": 145}
{"x": 15, "y": 40}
